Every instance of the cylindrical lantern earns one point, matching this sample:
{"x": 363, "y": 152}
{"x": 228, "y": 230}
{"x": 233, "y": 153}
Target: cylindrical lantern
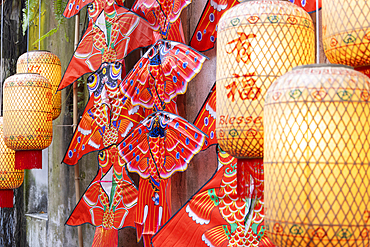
{"x": 48, "y": 65}
{"x": 346, "y": 31}
{"x": 10, "y": 178}
{"x": 317, "y": 157}
{"x": 257, "y": 42}
{"x": 27, "y": 117}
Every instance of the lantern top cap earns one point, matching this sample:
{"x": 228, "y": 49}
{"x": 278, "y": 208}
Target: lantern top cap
{"x": 37, "y": 51}
{"x": 28, "y": 73}
{"x": 322, "y": 65}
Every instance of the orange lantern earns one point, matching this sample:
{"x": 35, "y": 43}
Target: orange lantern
{"x": 257, "y": 42}
{"x": 317, "y": 157}
{"x": 48, "y": 65}
{"x": 10, "y": 178}
{"x": 346, "y": 31}
{"x": 27, "y": 118}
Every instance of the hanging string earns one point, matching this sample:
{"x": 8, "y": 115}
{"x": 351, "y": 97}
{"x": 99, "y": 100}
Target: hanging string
{"x": 317, "y": 33}
{"x": 39, "y": 24}
{"x": 28, "y": 29}
{"x": 1, "y": 54}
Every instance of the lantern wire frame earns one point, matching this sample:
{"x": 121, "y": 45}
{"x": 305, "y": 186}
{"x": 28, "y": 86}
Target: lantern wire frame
{"x": 317, "y": 172}
{"x": 346, "y": 32}
{"x": 256, "y": 45}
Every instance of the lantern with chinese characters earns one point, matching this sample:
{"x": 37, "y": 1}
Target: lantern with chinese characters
{"x": 257, "y": 42}
{"x": 346, "y": 31}
{"x": 317, "y": 157}
{"x": 48, "y": 65}
{"x": 10, "y": 178}
{"x": 27, "y": 118}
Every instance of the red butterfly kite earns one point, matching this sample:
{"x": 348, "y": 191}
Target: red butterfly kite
{"x": 112, "y": 37}
{"x": 216, "y": 215}
{"x": 205, "y": 33}
{"x": 163, "y": 16}
{"x": 161, "y": 145}
{"x": 73, "y": 7}
{"x": 109, "y": 203}
{"x": 206, "y": 118}
{"x": 108, "y": 116}
{"x": 161, "y": 74}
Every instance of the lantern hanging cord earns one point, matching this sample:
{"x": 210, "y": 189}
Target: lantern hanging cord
{"x": 39, "y": 24}
{"x": 1, "y": 51}
{"x": 28, "y": 28}
{"x": 317, "y": 33}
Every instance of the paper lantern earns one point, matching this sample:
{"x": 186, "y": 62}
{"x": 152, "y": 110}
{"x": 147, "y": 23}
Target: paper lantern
{"x": 257, "y": 42}
{"x": 27, "y": 118}
{"x": 48, "y": 65}
{"x": 317, "y": 158}
{"x": 10, "y": 178}
{"x": 346, "y": 31}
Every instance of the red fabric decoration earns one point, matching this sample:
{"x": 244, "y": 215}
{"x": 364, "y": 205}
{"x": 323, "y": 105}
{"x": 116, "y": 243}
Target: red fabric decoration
{"x": 249, "y": 170}
{"x": 161, "y": 74}
{"x": 105, "y": 237}
{"x": 109, "y": 39}
{"x": 6, "y": 198}
{"x": 28, "y": 159}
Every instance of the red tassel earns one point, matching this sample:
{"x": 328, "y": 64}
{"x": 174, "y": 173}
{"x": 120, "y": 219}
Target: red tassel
{"x": 28, "y": 159}
{"x": 6, "y": 198}
{"x": 105, "y": 237}
{"x": 248, "y": 171}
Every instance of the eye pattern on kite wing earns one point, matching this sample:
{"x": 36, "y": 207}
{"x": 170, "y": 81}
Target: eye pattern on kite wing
{"x": 108, "y": 117}
{"x": 205, "y": 33}
{"x": 73, "y": 7}
{"x": 162, "y": 15}
{"x": 206, "y": 118}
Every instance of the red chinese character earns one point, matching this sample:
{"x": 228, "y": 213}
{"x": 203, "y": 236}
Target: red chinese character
{"x": 243, "y": 47}
{"x": 247, "y": 89}
{"x": 233, "y": 86}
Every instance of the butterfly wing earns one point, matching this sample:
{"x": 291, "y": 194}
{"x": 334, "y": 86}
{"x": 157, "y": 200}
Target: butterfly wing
{"x": 180, "y": 64}
{"x": 73, "y": 7}
{"x": 182, "y": 141}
